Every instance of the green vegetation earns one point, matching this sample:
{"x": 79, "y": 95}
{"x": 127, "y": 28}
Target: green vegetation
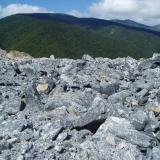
{"x": 42, "y": 37}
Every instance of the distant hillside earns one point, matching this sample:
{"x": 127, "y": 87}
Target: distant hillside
{"x": 68, "y": 36}
{"x": 133, "y": 24}
{"x": 157, "y": 27}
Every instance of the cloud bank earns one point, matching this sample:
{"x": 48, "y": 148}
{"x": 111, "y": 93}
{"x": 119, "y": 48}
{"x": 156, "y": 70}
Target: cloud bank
{"x": 143, "y": 11}
{"x": 20, "y": 8}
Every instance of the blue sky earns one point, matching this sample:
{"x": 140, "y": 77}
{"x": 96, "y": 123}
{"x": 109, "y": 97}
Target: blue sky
{"x": 142, "y": 11}
{"x": 54, "y": 5}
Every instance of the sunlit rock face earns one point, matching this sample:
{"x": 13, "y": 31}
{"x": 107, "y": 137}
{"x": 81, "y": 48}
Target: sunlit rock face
{"x": 85, "y": 109}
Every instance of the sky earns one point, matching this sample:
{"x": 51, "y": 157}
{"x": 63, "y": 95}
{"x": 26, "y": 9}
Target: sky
{"x": 142, "y": 11}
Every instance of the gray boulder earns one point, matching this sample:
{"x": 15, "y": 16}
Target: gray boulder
{"x": 84, "y": 109}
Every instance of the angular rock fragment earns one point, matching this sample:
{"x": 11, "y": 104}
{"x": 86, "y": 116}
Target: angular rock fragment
{"x": 50, "y": 131}
{"x": 84, "y": 109}
{"x": 139, "y": 119}
{"x": 122, "y": 128}
{"x": 155, "y": 154}
{"x": 155, "y": 109}
{"x": 42, "y": 88}
{"x": 107, "y": 144}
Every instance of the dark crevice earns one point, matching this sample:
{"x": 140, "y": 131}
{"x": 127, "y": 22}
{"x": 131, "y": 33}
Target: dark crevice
{"x": 87, "y": 86}
{"x": 2, "y": 84}
{"x": 43, "y": 73}
{"x": 9, "y": 84}
{"x": 156, "y": 130}
{"x": 22, "y": 106}
{"x": 138, "y": 89}
{"x": 55, "y": 74}
{"x": 7, "y": 97}
{"x": 17, "y": 71}
{"x": 55, "y": 137}
{"x": 143, "y": 151}
{"x": 75, "y": 88}
{"x": 28, "y": 126}
{"x": 81, "y": 65}
{"x": 65, "y": 88}
{"x": 93, "y": 126}
{"x": 155, "y": 65}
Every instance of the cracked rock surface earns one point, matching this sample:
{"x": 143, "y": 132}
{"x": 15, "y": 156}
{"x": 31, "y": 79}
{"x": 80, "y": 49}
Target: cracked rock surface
{"x": 85, "y": 109}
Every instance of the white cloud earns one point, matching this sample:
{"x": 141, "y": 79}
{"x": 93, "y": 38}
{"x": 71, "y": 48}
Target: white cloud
{"x": 78, "y": 14}
{"x": 75, "y": 13}
{"x": 20, "y": 8}
{"x": 144, "y": 11}
{"x": 115, "y": 6}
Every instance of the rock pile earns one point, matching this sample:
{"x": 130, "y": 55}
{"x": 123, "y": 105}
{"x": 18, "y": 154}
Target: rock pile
{"x": 85, "y": 109}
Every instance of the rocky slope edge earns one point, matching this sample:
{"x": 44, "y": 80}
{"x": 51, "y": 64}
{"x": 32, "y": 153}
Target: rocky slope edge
{"x": 85, "y": 109}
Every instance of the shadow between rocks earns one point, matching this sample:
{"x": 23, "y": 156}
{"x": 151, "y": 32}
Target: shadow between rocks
{"x": 93, "y": 126}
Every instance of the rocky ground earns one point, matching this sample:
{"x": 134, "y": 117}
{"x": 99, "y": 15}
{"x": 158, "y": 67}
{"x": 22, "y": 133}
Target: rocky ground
{"x": 85, "y": 109}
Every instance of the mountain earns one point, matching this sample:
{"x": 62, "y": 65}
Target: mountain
{"x": 157, "y": 27}
{"x": 132, "y": 24}
{"x": 137, "y": 25}
{"x": 68, "y": 36}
